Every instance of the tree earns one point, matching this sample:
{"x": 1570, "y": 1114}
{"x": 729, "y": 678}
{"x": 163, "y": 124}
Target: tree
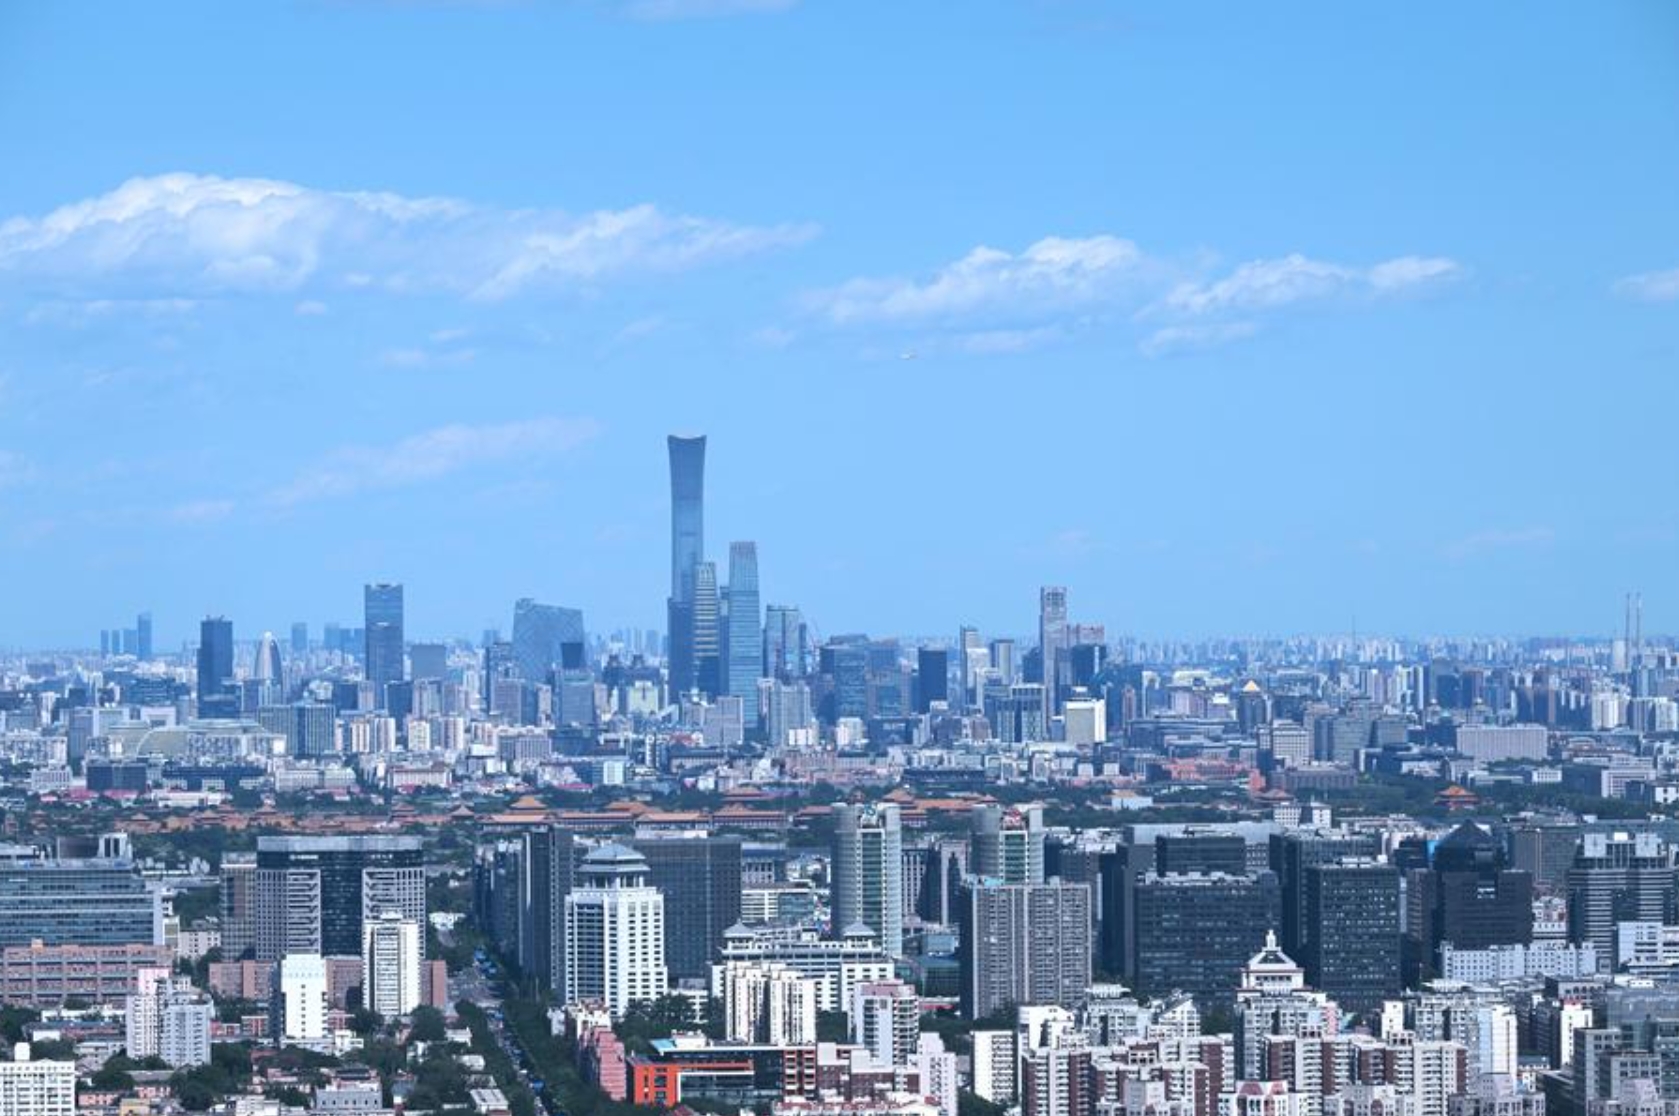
{"x": 426, "y": 1025}
{"x": 13, "y": 1020}
{"x": 112, "y": 1077}
{"x": 972, "y": 1104}
{"x": 832, "y": 1026}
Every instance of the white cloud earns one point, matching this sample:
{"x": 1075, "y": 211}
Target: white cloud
{"x": 430, "y": 456}
{"x": 188, "y": 233}
{"x": 991, "y": 300}
{"x": 201, "y": 511}
{"x": 1054, "y": 273}
{"x": 14, "y": 470}
{"x": 1651, "y": 286}
{"x": 1269, "y": 284}
{"x": 309, "y": 308}
{"x": 993, "y": 342}
{"x": 660, "y": 10}
{"x": 1495, "y": 539}
{"x": 1205, "y": 335}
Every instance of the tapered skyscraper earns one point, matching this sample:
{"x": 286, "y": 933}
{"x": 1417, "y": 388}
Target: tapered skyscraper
{"x": 687, "y": 550}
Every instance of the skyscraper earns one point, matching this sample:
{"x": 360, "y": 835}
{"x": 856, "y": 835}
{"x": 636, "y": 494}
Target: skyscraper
{"x": 143, "y": 636}
{"x": 706, "y": 632}
{"x": 382, "y": 621}
{"x": 540, "y": 635}
{"x": 746, "y": 641}
{"x": 299, "y": 638}
{"x": 1052, "y": 644}
{"x": 687, "y": 550}
{"x": 215, "y": 668}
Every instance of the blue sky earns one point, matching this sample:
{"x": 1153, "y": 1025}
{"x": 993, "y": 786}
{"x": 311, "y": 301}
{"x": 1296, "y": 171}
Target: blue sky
{"x": 1232, "y": 318}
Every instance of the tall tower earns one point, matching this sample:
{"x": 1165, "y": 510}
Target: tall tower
{"x": 687, "y": 550}
{"x": 746, "y": 633}
{"x": 382, "y": 617}
{"x": 1052, "y": 644}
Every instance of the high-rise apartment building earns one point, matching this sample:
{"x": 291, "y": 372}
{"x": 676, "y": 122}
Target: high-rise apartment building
{"x": 383, "y": 632}
{"x": 745, "y": 626}
{"x": 886, "y": 1021}
{"x": 687, "y": 550}
{"x": 1023, "y": 944}
{"x": 868, "y": 873}
{"x": 166, "y": 1017}
{"x": 390, "y": 957}
{"x": 315, "y": 894}
{"x": 766, "y": 1002}
{"x": 615, "y": 932}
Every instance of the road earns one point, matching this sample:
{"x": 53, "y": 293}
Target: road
{"x": 482, "y": 985}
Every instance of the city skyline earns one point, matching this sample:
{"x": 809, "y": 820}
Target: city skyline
{"x": 1233, "y": 354}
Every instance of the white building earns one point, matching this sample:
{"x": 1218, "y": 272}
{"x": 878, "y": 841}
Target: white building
{"x": 1516, "y": 962}
{"x": 886, "y": 1021}
{"x": 29, "y": 1088}
{"x": 615, "y": 932}
{"x": 768, "y": 1002}
{"x": 300, "y": 999}
{"x": 1085, "y": 721}
{"x": 390, "y": 964}
{"x": 995, "y": 1070}
{"x": 936, "y": 1067}
{"x": 836, "y": 965}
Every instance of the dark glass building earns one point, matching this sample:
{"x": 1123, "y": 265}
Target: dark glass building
{"x": 1204, "y": 853}
{"x": 1468, "y": 896}
{"x": 540, "y": 635}
{"x": 382, "y": 614}
{"x": 1195, "y": 933}
{"x": 700, "y": 878}
{"x": 217, "y": 695}
{"x": 1291, "y": 855}
{"x": 1352, "y": 951}
{"x": 687, "y": 550}
{"x": 932, "y": 677}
